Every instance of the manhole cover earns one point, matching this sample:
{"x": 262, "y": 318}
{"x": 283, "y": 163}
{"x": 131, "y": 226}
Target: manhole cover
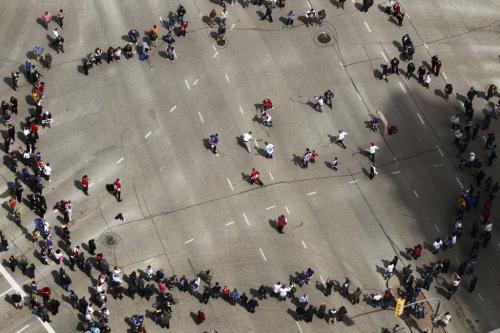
{"x": 324, "y": 37}
{"x": 221, "y": 42}
{"x": 110, "y": 239}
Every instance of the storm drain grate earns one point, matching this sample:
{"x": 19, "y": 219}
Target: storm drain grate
{"x": 323, "y": 37}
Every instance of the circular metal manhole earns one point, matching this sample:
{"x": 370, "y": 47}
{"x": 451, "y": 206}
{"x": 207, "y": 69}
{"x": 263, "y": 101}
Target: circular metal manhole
{"x": 324, "y": 38}
{"x": 110, "y": 239}
{"x": 221, "y": 42}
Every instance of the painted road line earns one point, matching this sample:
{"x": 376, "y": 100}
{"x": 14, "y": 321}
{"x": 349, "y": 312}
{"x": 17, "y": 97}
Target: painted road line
{"x": 439, "y": 150}
{"x": 189, "y": 241}
{"x": 287, "y": 210}
{"x": 246, "y": 218}
{"x": 215, "y": 49}
{"x": 416, "y": 194}
{"x": 367, "y": 27}
{"x": 232, "y": 27}
{"x": 6, "y": 292}
{"x": 241, "y": 110}
{"x": 297, "y": 323}
{"x": 437, "y": 165}
{"x": 311, "y": 193}
{"x": 353, "y": 181}
{"x": 150, "y": 259}
{"x": 271, "y": 175}
{"x": 396, "y": 160}
{"x": 435, "y": 226}
{"x": 444, "y": 75}
{"x": 215, "y": 54}
{"x": 459, "y": 182}
{"x": 173, "y": 108}
{"x": 262, "y": 254}
{"x": 322, "y": 280}
{"x": 227, "y": 78}
{"x": 420, "y": 118}
{"x": 120, "y": 160}
{"x": 196, "y": 82}
{"x": 309, "y": 4}
{"x": 395, "y": 172}
{"x": 425, "y": 45}
{"x": 383, "y": 55}
{"x": 22, "y": 329}
{"x": 229, "y": 223}
{"x": 402, "y": 87}
{"x": 187, "y": 84}
{"x": 270, "y": 207}
{"x": 484, "y": 138}
{"x": 230, "y": 185}
{"x": 201, "y": 117}
{"x": 304, "y": 245}
{"x": 480, "y": 297}
{"x": 147, "y": 135}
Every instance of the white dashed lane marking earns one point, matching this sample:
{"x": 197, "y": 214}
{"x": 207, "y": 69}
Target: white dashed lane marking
{"x": 402, "y": 87}
{"x": 187, "y": 84}
{"x": 147, "y": 135}
{"x": 271, "y": 175}
{"x": 196, "y": 82}
{"x": 120, "y": 160}
{"x": 262, "y": 254}
{"x": 311, "y": 193}
{"x": 201, "y": 117}
{"x": 232, "y": 27}
{"x": 227, "y": 78}
{"x": 229, "y": 223}
{"x": 436, "y": 227}
{"x": 416, "y": 194}
{"x": 189, "y": 241}
{"x": 287, "y": 211}
{"x": 270, "y": 207}
{"x": 440, "y": 151}
{"x": 241, "y": 110}
{"x": 420, "y": 118}
{"x": 459, "y": 182}
{"x": 353, "y": 181}
{"x": 246, "y": 218}
{"x": 22, "y": 329}
{"x": 444, "y": 75}
{"x": 173, "y": 108}
{"x": 297, "y": 323}
{"x": 230, "y": 185}
{"x": 383, "y": 55}
{"x": 216, "y": 53}
{"x": 395, "y": 172}
{"x": 304, "y": 245}
{"x": 367, "y": 27}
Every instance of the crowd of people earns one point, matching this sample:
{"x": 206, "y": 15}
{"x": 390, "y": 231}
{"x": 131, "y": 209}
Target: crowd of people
{"x": 36, "y": 172}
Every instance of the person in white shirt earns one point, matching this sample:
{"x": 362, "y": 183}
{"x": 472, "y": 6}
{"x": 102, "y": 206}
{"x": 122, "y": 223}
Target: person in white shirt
{"x": 117, "y": 54}
{"x": 247, "y": 137}
{"x": 436, "y": 246}
{"x": 55, "y": 33}
{"x": 269, "y": 149}
{"x": 283, "y": 292}
{"x": 47, "y": 170}
{"x": 341, "y": 137}
{"x": 388, "y": 271}
{"x": 276, "y": 288}
{"x": 427, "y": 79}
{"x": 371, "y": 151}
{"x": 318, "y": 101}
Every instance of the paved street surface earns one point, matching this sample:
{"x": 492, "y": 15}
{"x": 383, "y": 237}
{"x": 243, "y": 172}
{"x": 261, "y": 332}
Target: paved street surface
{"x": 187, "y": 210}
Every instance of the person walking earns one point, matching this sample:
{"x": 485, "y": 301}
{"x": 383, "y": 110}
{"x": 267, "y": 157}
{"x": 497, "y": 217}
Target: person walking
{"x": 60, "y": 17}
{"x": 328, "y": 98}
{"x": 421, "y": 72}
{"x": 85, "y": 184}
{"x": 356, "y": 296}
{"x": 335, "y": 163}
{"x": 213, "y": 141}
{"x": 289, "y": 18}
{"x": 268, "y": 14}
{"x": 282, "y": 222}
{"x": 341, "y": 137}
{"x": 427, "y": 80}
{"x": 371, "y": 151}
{"x": 247, "y": 137}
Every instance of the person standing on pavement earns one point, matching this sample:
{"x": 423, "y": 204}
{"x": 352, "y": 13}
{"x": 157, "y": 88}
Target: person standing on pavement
{"x": 289, "y": 18}
{"x": 335, "y": 163}
{"x": 60, "y": 17}
{"x": 328, "y": 98}
{"x": 213, "y": 141}
{"x": 255, "y": 177}
{"x": 427, "y": 80}
{"x": 493, "y": 154}
{"x": 85, "y": 184}
{"x": 492, "y": 90}
{"x": 410, "y": 68}
{"x": 395, "y": 65}
{"x": 269, "y": 149}
{"x": 282, "y": 222}
{"x": 448, "y": 90}
{"x": 247, "y": 137}
{"x": 117, "y": 189}
{"x": 340, "y": 138}
{"x": 372, "y": 172}
{"x": 421, "y": 72}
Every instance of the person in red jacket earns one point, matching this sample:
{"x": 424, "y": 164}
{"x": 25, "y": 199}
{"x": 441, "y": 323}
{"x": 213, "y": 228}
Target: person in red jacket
{"x": 282, "y": 221}
{"x": 85, "y": 184}
{"x": 201, "y": 317}
{"x": 183, "y": 28}
{"x": 267, "y": 103}
{"x": 117, "y": 189}
{"x": 255, "y": 177}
